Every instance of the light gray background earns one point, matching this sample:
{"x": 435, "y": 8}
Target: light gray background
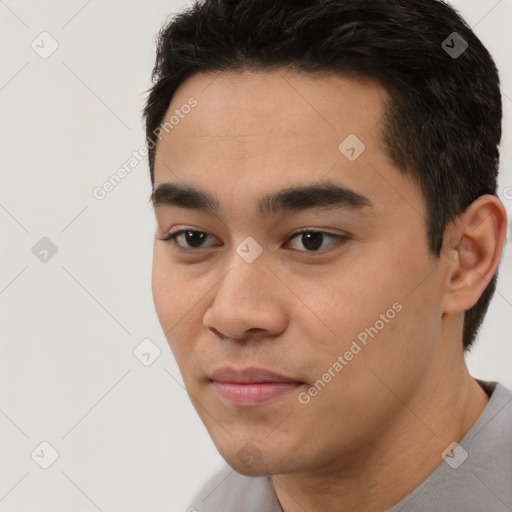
{"x": 127, "y": 437}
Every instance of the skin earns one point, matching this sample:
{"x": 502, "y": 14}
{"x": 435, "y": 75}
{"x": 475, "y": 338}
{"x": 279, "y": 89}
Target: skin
{"x": 378, "y": 428}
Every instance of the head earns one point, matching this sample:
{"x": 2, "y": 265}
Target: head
{"x": 352, "y": 119}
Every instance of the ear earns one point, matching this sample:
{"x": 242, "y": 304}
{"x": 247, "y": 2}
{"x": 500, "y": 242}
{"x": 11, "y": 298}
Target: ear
{"x": 473, "y": 252}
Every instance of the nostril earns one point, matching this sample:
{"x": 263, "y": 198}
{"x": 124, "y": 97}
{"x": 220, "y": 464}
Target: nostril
{"x": 248, "y": 334}
{"x": 217, "y": 333}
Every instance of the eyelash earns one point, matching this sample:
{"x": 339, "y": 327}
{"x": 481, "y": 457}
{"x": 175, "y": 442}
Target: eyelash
{"x": 170, "y": 238}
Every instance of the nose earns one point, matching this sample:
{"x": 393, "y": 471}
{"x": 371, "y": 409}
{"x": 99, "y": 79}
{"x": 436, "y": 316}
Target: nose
{"x": 248, "y": 301}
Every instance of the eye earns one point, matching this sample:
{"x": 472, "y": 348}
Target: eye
{"x": 314, "y": 241}
{"x": 311, "y": 240}
{"x": 187, "y": 238}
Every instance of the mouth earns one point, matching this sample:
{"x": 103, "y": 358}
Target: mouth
{"x": 251, "y": 387}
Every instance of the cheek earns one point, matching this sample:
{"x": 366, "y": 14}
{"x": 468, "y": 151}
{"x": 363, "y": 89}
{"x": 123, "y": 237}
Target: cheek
{"x": 179, "y": 303}
{"x": 396, "y": 322}
{"x": 387, "y": 304}
{"x": 351, "y": 301}
{"x": 163, "y": 286}
{"x": 169, "y": 292}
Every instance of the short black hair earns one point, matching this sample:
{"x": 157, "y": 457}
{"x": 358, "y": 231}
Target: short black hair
{"x": 443, "y": 121}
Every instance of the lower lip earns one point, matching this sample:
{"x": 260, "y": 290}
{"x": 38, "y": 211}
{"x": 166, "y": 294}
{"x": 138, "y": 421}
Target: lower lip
{"x": 253, "y": 394}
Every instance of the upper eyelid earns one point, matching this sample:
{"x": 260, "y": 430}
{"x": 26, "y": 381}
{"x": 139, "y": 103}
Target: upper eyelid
{"x": 301, "y": 230}
{"x": 315, "y": 230}
{"x": 295, "y": 233}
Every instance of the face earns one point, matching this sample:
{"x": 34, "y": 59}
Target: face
{"x": 299, "y": 297}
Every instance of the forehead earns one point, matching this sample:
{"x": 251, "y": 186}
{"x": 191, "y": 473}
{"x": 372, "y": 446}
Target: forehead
{"x": 265, "y": 106}
{"x": 260, "y": 131}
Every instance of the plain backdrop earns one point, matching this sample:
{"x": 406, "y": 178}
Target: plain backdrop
{"x": 75, "y": 296}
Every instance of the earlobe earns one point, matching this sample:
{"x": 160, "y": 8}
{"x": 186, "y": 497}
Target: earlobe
{"x": 474, "y": 252}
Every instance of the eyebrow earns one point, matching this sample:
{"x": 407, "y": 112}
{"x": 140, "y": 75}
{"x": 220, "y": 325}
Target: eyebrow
{"x": 326, "y": 195}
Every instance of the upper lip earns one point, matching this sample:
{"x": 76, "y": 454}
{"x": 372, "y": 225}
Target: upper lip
{"x": 248, "y": 375}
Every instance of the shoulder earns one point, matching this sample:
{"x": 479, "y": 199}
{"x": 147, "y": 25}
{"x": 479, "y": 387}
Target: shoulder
{"x": 478, "y": 477}
{"x": 229, "y": 491}
{"x": 493, "y": 428}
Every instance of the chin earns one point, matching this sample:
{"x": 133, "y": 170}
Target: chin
{"x": 246, "y": 471}
{"x": 248, "y": 460}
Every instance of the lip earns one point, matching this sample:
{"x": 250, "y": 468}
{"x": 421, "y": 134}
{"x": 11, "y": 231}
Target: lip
{"x": 248, "y": 375}
{"x": 250, "y": 387}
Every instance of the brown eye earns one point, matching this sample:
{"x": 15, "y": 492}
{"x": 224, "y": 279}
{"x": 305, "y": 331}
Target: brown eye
{"x": 187, "y": 238}
{"x": 314, "y": 241}
{"x": 194, "y": 238}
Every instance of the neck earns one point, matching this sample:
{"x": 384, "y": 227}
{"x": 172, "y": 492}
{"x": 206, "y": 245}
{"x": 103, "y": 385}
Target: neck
{"x": 442, "y": 411}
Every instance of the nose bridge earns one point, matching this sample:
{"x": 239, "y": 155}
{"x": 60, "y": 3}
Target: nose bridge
{"x": 246, "y": 282}
{"x": 245, "y": 298}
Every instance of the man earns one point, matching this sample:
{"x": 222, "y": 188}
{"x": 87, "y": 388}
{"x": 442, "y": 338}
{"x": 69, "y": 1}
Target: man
{"x": 324, "y": 182}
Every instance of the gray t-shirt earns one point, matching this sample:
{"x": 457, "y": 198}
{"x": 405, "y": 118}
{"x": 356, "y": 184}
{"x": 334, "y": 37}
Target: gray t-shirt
{"x": 476, "y": 477}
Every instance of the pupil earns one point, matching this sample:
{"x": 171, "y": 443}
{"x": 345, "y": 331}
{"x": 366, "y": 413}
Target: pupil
{"x": 194, "y": 238}
{"x": 312, "y": 241}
